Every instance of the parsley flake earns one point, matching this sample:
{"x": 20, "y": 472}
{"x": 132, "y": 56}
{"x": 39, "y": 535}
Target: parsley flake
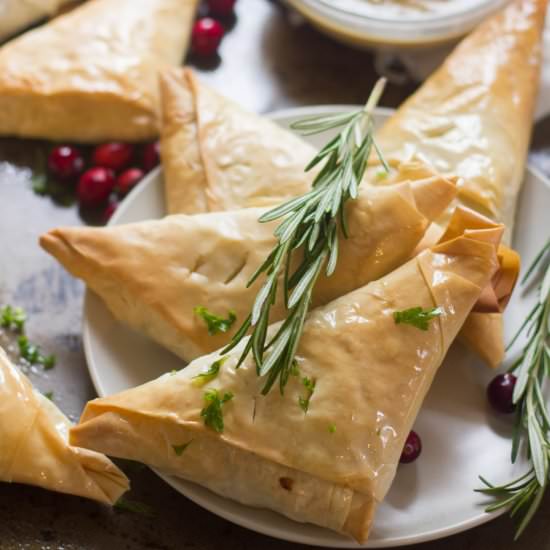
{"x": 180, "y": 449}
{"x": 13, "y": 318}
{"x": 309, "y": 385}
{"x": 33, "y": 355}
{"x": 417, "y": 317}
{"x": 332, "y": 428}
{"x": 49, "y": 395}
{"x": 209, "y": 375}
{"x": 214, "y": 323}
{"x": 212, "y": 412}
{"x": 133, "y": 506}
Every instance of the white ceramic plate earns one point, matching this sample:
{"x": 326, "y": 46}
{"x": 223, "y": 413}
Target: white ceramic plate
{"x": 431, "y": 498}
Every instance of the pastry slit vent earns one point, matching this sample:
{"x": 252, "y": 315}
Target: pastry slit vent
{"x": 237, "y": 271}
{"x": 286, "y": 483}
{"x": 199, "y": 262}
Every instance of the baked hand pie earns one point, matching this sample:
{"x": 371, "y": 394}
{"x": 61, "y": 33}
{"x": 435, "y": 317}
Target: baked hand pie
{"x": 152, "y": 275}
{"x": 35, "y": 449}
{"x": 217, "y": 156}
{"x": 91, "y": 75}
{"x": 327, "y": 450}
{"x": 473, "y": 118}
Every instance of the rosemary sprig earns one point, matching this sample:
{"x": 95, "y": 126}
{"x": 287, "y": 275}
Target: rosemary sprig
{"x": 309, "y": 233}
{"x": 532, "y": 424}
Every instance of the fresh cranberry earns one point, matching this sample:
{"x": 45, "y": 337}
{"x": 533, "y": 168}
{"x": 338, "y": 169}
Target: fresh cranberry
{"x": 412, "y": 448}
{"x": 151, "y": 156}
{"x": 110, "y": 209}
{"x": 500, "y": 392}
{"x": 95, "y": 186}
{"x": 207, "y": 36}
{"x": 128, "y": 180}
{"x": 114, "y": 155}
{"x": 65, "y": 162}
{"x": 221, "y": 8}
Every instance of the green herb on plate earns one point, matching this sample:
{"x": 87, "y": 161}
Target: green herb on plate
{"x": 180, "y": 449}
{"x": 212, "y": 413}
{"x": 135, "y": 507}
{"x": 417, "y": 317}
{"x": 308, "y": 233}
{"x": 209, "y": 375}
{"x": 309, "y": 385}
{"x": 214, "y": 323}
{"x": 32, "y": 354}
{"x": 13, "y": 318}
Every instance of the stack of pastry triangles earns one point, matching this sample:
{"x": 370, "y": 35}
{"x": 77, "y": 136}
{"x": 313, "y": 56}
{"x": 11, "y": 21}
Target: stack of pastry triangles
{"x": 363, "y": 375}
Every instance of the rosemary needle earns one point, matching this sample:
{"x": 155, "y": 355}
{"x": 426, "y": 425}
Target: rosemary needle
{"x": 309, "y": 231}
{"x": 532, "y": 425}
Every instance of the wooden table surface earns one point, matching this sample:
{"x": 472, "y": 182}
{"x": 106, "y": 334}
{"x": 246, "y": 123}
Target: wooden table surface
{"x": 266, "y": 63}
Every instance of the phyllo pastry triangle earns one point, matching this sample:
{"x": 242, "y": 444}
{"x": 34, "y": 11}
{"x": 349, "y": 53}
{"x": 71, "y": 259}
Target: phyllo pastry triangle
{"x": 92, "y": 74}
{"x": 326, "y": 451}
{"x": 153, "y": 275}
{"x": 217, "y": 156}
{"x": 34, "y": 445}
{"x": 473, "y": 118}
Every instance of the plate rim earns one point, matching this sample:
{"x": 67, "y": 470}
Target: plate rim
{"x": 244, "y": 521}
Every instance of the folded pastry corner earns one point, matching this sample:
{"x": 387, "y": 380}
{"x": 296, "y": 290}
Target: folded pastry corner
{"x": 217, "y": 156}
{"x": 91, "y": 75}
{"x": 152, "y": 275}
{"x": 35, "y": 448}
{"x": 331, "y": 462}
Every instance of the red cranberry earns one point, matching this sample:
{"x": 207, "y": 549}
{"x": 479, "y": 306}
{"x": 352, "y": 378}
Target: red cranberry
{"x": 114, "y": 155}
{"x": 110, "y": 209}
{"x": 95, "y": 186}
{"x": 151, "y": 156}
{"x": 128, "y": 180}
{"x": 500, "y": 392}
{"x": 65, "y": 162}
{"x": 207, "y": 36}
{"x": 412, "y": 448}
{"x": 221, "y": 8}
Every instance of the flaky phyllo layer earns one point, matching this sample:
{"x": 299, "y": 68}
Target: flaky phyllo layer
{"x": 470, "y": 120}
{"x": 331, "y": 461}
{"x": 153, "y": 274}
{"x": 34, "y": 447}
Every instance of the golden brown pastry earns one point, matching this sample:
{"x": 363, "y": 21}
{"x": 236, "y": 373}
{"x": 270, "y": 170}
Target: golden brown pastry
{"x": 217, "y": 156}
{"x": 35, "y": 450}
{"x": 152, "y": 275}
{"x": 330, "y": 461}
{"x": 92, "y": 74}
{"x": 473, "y": 118}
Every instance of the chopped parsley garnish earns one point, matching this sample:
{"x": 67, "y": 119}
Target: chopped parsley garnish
{"x": 49, "y": 395}
{"x": 417, "y": 317}
{"x": 309, "y": 385}
{"x": 209, "y": 375}
{"x": 215, "y": 324}
{"x": 33, "y": 355}
{"x": 332, "y": 428}
{"x": 135, "y": 507}
{"x": 212, "y": 412}
{"x": 13, "y": 318}
{"x": 180, "y": 449}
